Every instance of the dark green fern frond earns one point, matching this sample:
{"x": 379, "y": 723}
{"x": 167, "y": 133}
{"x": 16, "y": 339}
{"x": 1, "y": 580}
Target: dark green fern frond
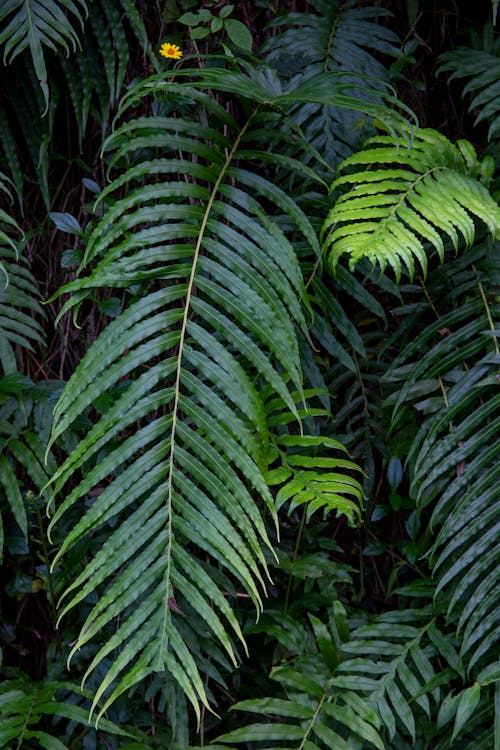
{"x": 105, "y": 49}
{"x": 37, "y": 24}
{"x": 407, "y": 667}
{"x": 482, "y": 67}
{"x": 314, "y": 711}
{"x": 382, "y": 685}
{"x": 25, "y": 131}
{"x": 20, "y": 329}
{"x": 336, "y": 37}
{"x": 214, "y": 300}
{"x": 402, "y": 203}
{"x": 23, "y": 704}
{"x": 449, "y": 374}
{"x": 19, "y": 308}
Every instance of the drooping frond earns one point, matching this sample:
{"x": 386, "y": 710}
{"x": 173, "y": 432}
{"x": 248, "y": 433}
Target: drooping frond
{"x": 105, "y": 49}
{"x": 210, "y": 324}
{"x": 25, "y": 131}
{"x": 404, "y": 202}
{"x": 482, "y": 67}
{"x": 36, "y": 24}
{"x": 449, "y": 374}
{"x": 304, "y": 472}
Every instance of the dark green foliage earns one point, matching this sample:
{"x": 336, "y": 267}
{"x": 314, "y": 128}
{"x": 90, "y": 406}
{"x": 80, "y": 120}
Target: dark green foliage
{"x": 481, "y": 65}
{"x": 265, "y": 427}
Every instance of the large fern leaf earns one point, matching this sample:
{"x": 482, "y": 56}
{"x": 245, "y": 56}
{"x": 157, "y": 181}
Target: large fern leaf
{"x": 315, "y": 711}
{"x": 404, "y": 202}
{"x": 215, "y": 298}
{"x": 382, "y": 685}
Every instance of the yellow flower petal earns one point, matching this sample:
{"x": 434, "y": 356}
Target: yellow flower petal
{"x": 172, "y": 51}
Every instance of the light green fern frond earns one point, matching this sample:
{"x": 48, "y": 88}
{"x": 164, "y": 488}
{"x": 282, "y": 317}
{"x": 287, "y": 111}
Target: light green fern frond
{"x": 305, "y": 471}
{"x": 38, "y": 23}
{"x": 404, "y": 202}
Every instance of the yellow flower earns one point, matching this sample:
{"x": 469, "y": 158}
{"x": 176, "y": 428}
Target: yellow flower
{"x": 171, "y": 50}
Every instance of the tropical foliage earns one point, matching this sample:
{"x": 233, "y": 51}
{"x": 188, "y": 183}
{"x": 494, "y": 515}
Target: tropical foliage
{"x": 248, "y": 378}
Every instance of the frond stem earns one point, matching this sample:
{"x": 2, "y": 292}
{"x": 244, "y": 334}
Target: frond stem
{"x": 428, "y": 298}
{"x": 329, "y": 44}
{"x": 26, "y": 724}
{"x": 294, "y": 558}
{"x": 312, "y": 722}
{"x": 488, "y": 311}
{"x": 182, "y": 339}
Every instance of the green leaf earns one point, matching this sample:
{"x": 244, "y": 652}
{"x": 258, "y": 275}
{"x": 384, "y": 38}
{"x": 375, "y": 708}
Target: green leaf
{"x": 466, "y": 705}
{"x": 66, "y": 223}
{"x": 238, "y": 34}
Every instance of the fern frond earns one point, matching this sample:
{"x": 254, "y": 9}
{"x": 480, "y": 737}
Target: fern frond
{"x": 263, "y": 86}
{"x": 23, "y": 704}
{"x": 334, "y": 37}
{"x": 381, "y": 685}
{"x": 183, "y": 448}
{"x": 308, "y": 475}
{"x": 39, "y": 23}
{"x": 453, "y": 457}
{"x": 482, "y": 67}
{"x": 403, "y": 202}
{"x": 18, "y": 292}
{"x": 315, "y": 710}
{"x": 21, "y": 449}
{"x": 104, "y": 49}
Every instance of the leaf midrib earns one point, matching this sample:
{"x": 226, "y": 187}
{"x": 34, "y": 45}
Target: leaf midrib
{"x": 175, "y": 408}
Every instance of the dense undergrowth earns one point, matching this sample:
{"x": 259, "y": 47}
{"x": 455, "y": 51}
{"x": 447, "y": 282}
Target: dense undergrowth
{"x": 249, "y": 375}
